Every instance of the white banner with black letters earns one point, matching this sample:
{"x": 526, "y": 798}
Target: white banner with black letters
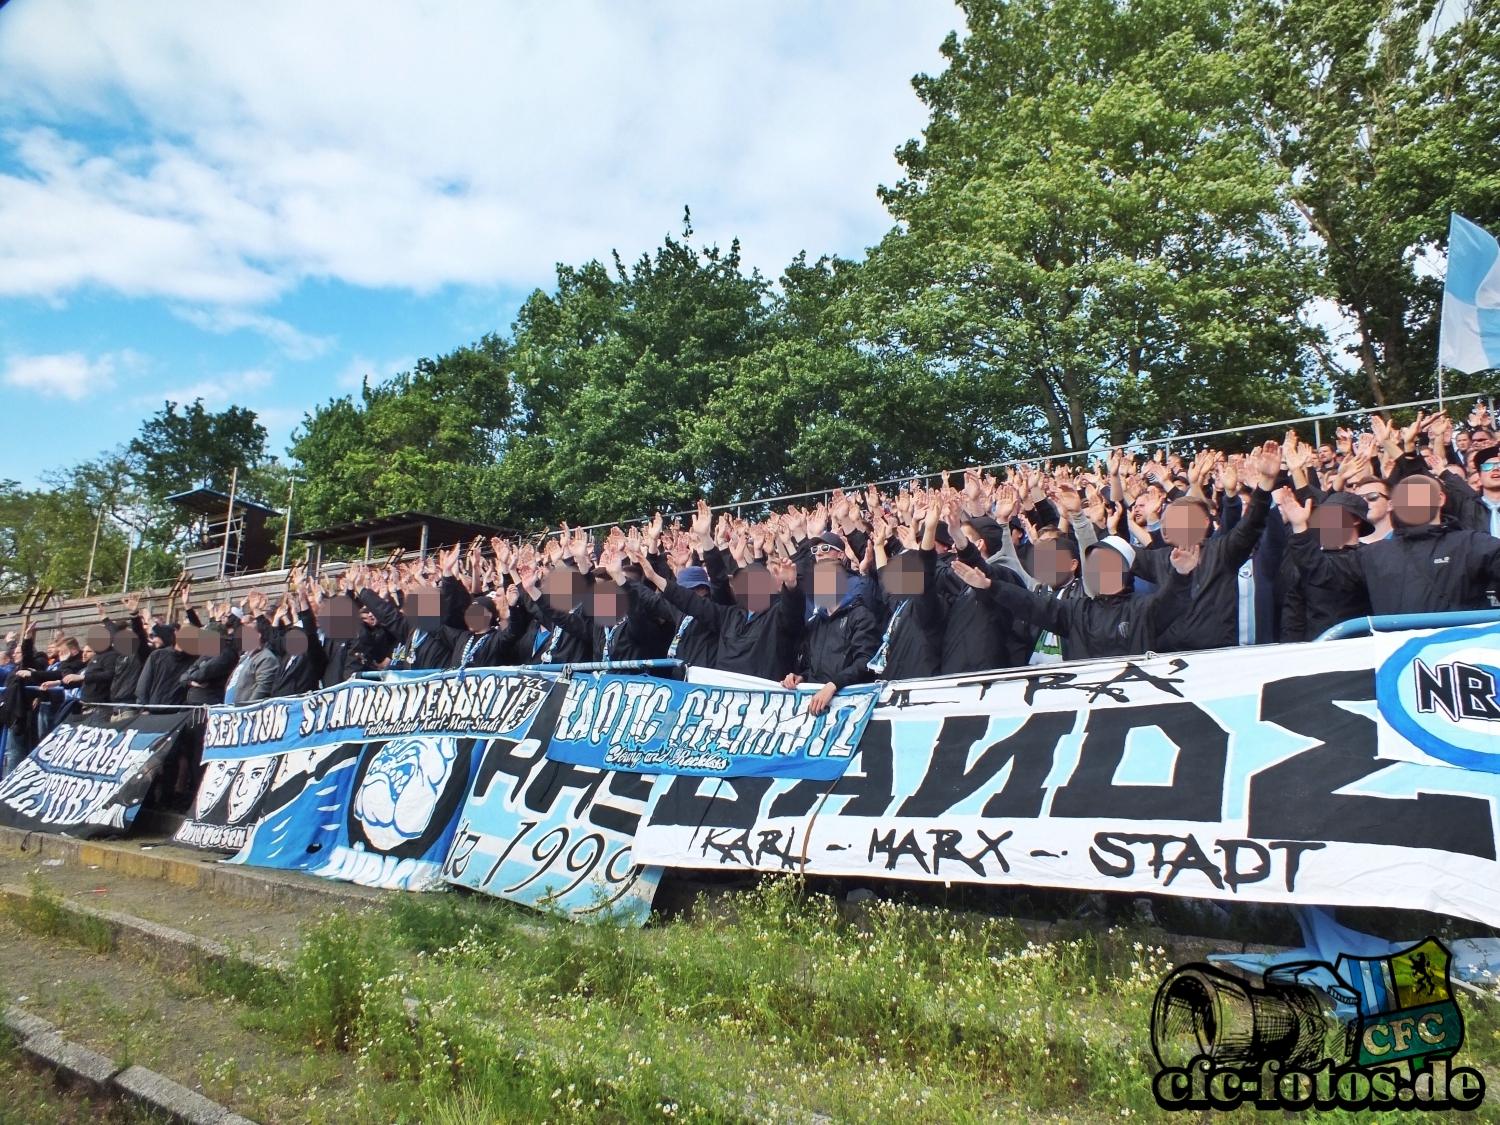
{"x": 1273, "y": 774}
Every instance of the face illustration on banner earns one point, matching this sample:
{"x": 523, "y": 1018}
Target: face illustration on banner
{"x": 401, "y": 789}
{"x": 250, "y": 781}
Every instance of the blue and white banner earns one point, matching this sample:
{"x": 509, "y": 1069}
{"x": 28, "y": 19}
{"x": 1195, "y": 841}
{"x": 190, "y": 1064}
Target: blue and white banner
{"x": 642, "y": 725}
{"x": 1352, "y": 773}
{"x": 477, "y": 702}
{"x": 551, "y": 835}
{"x": 430, "y": 800}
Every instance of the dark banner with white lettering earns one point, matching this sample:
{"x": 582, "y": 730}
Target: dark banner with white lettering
{"x": 89, "y": 778}
{"x": 1358, "y": 773}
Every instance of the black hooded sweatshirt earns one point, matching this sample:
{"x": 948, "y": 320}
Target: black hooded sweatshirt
{"x": 1210, "y": 615}
{"x": 753, "y": 644}
{"x": 911, "y": 640}
{"x": 691, "y": 636}
{"x": 1429, "y": 569}
{"x": 1123, "y": 624}
{"x": 128, "y": 669}
{"x": 978, "y": 633}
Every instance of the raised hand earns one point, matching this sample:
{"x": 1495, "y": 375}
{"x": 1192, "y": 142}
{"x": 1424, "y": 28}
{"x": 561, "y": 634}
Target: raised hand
{"x": 1297, "y": 514}
{"x": 817, "y": 521}
{"x": 783, "y": 570}
{"x": 972, "y": 575}
{"x": 1268, "y": 464}
{"x": 1185, "y": 559}
{"x": 1007, "y": 503}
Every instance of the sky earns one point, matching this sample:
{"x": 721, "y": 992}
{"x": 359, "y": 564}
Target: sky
{"x": 263, "y": 204}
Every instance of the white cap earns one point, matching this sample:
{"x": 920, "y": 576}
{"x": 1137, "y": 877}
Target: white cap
{"x": 1124, "y": 549}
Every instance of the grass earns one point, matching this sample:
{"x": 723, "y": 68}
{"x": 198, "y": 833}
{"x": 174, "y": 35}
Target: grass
{"x": 769, "y": 1004}
{"x": 31, "y": 1095}
{"x": 43, "y": 912}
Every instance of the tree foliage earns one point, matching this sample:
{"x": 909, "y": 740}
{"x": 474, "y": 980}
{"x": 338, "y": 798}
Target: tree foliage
{"x": 1087, "y": 228}
{"x": 418, "y": 442}
{"x": 1383, "y": 129}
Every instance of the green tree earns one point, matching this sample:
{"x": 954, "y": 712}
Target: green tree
{"x": 1088, "y": 229}
{"x": 175, "y": 452}
{"x": 1382, "y": 130}
{"x": 419, "y": 442}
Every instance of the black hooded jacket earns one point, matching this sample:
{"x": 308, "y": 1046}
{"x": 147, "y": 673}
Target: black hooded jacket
{"x": 692, "y": 637}
{"x": 99, "y": 676}
{"x": 161, "y": 676}
{"x": 1308, "y": 608}
{"x": 978, "y": 633}
{"x": 1429, "y": 569}
{"x": 128, "y": 669}
{"x": 1123, "y": 624}
{"x": 912, "y": 634}
{"x": 1210, "y": 615}
{"x": 754, "y": 644}
{"x": 417, "y": 646}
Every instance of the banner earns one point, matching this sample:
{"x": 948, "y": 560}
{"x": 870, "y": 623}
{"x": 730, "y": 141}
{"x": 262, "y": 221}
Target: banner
{"x": 1272, "y": 774}
{"x": 477, "y": 702}
{"x": 644, "y": 725}
{"x": 551, "y": 834}
{"x": 89, "y": 778}
{"x": 370, "y": 783}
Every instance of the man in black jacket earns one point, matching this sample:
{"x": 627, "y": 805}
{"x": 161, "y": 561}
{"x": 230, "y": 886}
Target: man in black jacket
{"x": 206, "y": 676}
{"x": 161, "y": 676}
{"x": 304, "y": 657}
{"x": 839, "y": 633}
{"x": 1429, "y": 565}
{"x": 1210, "y": 615}
{"x": 978, "y": 634}
{"x": 694, "y": 637}
{"x": 1310, "y": 608}
{"x": 1113, "y": 622}
{"x": 912, "y": 637}
{"x": 758, "y": 634}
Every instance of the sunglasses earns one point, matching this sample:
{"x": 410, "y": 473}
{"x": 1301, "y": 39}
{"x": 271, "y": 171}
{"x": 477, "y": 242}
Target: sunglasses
{"x": 827, "y": 548}
{"x": 1489, "y": 466}
{"x": 1371, "y": 497}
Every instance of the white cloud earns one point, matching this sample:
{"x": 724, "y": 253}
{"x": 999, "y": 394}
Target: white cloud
{"x": 217, "y": 392}
{"x": 70, "y": 375}
{"x": 219, "y": 155}
{"x": 293, "y": 342}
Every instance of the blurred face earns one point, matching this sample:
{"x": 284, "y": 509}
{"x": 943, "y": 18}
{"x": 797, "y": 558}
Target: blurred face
{"x": 564, "y": 589}
{"x": 250, "y": 639}
{"x": 1336, "y": 526}
{"x": 340, "y": 620}
{"x": 1105, "y": 569}
{"x": 753, "y": 588}
{"x": 605, "y": 604}
{"x": 1378, "y": 499}
{"x": 427, "y": 601}
{"x": 477, "y": 618}
{"x": 97, "y": 640}
{"x": 830, "y": 583}
{"x": 1184, "y": 525}
{"x": 904, "y": 576}
{"x": 124, "y": 642}
{"x": 210, "y": 642}
{"x": 295, "y": 642}
{"x": 1416, "y": 501}
{"x": 1052, "y": 564}
{"x": 187, "y": 639}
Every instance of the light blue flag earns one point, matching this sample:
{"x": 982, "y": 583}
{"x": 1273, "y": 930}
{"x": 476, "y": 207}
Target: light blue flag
{"x": 1470, "y": 335}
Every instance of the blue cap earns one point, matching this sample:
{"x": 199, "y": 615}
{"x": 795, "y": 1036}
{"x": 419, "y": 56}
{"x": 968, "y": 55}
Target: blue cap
{"x": 691, "y": 576}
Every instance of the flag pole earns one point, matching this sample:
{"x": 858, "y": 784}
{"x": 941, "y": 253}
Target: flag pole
{"x": 1440, "y": 386}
